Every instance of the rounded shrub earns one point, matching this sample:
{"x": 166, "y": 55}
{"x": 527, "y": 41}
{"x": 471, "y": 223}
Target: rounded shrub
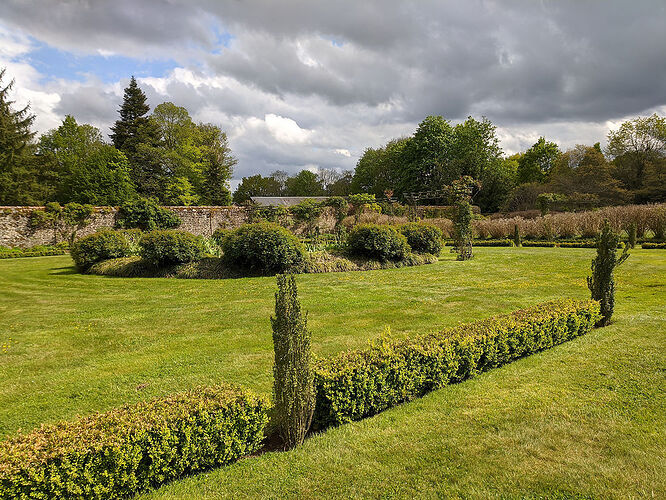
{"x": 423, "y": 238}
{"x": 102, "y": 245}
{"x": 377, "y": 242}
{"x": 219, "y": 234}
{"x": 167, "y": 247}
{"x": 263, "y": 247}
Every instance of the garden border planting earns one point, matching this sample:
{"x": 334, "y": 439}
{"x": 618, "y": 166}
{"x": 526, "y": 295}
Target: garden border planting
{"x": 133, "y": 448}
{"x": 362, "y": 383}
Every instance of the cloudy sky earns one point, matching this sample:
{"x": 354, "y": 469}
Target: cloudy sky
{"x": 308, "y": 84}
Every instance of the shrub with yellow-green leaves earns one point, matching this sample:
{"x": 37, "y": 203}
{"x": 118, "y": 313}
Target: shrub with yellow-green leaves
{"x": 133, "y": 448}
{"x": 361, "y": 383}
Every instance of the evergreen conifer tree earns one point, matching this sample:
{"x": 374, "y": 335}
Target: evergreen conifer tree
{"x": 15, "y": 144}
{"x": 132, "y": 117}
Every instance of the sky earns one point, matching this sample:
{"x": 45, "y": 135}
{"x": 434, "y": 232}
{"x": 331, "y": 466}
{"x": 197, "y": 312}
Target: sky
{"x": 311, "y": 84}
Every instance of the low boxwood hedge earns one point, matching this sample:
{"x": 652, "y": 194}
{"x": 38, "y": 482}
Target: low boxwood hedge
{"x": 169, "y": 246}
{"x": 535, "y": 243}
{"x": 653, "y": 246}
{"x": 373, "y": 241}
{"x": 492, "y": 243}
{"x": 423, "y": 238}
{"x": 99, "y": 246}
{"x": 133, "y": 448}
{"x": 35, "y": 251}
{"x": 361, "y": 383}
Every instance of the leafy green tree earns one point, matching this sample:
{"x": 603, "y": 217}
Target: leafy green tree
{"x": 425, "y": 156}
{"x": 294, "y": 394}
{"x": 379, "y": 169}
{"x": 537, "y": 162}
{"x": 342, "y": 186}
{"x": 180, "y": 192}
{"x": 635, "y": 145}
{"x": 304, "y": 183}
{"x": 497, "y": 182}
{"x": 256, "y": 185}
{"x": 88, "y": 171}
{"x": 217, "y": 165}
{"x": 15, "y": 147}
{"x": 602, "y": 281}
{"x": 474, "y": 149}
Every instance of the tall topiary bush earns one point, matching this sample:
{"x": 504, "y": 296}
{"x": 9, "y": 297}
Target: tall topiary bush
{"x": 293, "y": 374}
{"x": 517, "y": 240}
{"x": 632, "y": 235}
{"x": 461, "y": 192}
{"x": 602, "y": 281}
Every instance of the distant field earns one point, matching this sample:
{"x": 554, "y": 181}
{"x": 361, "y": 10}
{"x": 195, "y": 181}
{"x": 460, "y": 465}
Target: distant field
{"x": 585, "y": 417}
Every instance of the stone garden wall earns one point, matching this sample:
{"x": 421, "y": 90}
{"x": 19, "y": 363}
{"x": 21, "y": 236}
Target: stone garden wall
{"x": 15, "y": 230}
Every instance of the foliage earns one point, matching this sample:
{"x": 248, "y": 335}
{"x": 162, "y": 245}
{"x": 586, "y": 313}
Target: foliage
{"x": 272, "y": 213}
{"x": 102, "y": 245}
{"x": 373, "y": 241}
{"x": 168, "y": 246}
{"x": 133, "y": 448}
{"x": 648, "y": 245}
{"x": 537, "y": 162}
{"x": 423, "y": 238}
{"x": 602, "y": 281}
{"x": 34, "y": 251}
{"x": 631, "y": 234}
{"x": 147, "y": 215}
{"x": 305, "y": 183}
{"x": 256, "y": 185}
{"x": 293, "y": 374}
{"x": 307, "y": 212}
{"x": 517, "y": 239}
{"x": 341, "y": 207}
{"x": 361, "y": 383}
{"x": 64, "y": 221}
{"x": 219, "y": 234}
{"x": 546, "y": 201}
{"x": 15, "y": 144}
{"x": 263, "y": 247}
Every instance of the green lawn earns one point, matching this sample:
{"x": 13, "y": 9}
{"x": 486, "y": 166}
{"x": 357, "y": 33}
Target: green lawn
{"x": 586, "y": 417}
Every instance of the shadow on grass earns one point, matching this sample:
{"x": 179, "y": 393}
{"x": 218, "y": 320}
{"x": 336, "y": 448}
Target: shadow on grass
{"x": 58, "y": 271}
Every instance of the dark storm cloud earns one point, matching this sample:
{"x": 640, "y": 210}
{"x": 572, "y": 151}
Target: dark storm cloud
{"x": 355, "y": 71}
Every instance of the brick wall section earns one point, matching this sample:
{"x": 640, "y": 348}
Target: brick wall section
{"x": 15, "y": 230}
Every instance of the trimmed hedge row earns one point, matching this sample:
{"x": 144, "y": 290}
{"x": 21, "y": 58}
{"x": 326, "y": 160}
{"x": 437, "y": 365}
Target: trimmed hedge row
{"x": 130, "y": 449}
{"x": 492, "y": 243}
{"x": 16, "y": 253}
{"x": 648, "y": 245}
{"x": 358, "y": 384}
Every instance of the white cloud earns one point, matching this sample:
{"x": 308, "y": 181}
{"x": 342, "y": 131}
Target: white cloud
{"x": 286, "y": 130}
{"x": 343, "y": 152}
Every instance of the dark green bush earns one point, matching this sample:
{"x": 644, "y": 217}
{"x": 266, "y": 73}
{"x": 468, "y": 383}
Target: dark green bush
{"x": 133, "y": 448}
{"x": 651, "y": 245}
{"x": 264, "y": 248}
{"x": 547, "y": 244}
{"x": 146, "y": 215}
{"x": 102, "y": 245}
{"x": 423, "y": 238}
{"x": 357, "y": 384}
{"x": 168, "y": 246}
{"x": 219, "y": 234}
{"x": 377, "y": 242}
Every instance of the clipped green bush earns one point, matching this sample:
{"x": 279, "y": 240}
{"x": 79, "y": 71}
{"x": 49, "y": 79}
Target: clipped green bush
{"x": 423, "y": 238}
{"x": 133, "y": 448}
{"x": 357, "y": 384}
{"x": 377, "y": 242}
{"x": 653, "y": 246}
{"x": 494, "y": 243}
{"x": 219, "y": 234}
{"x": 545, "y": 244}
{"x": 169, "y": 246}
{"x": 264, "y": 248}
{"x": 102, "y": 245}
{"x": 147, "y": 215}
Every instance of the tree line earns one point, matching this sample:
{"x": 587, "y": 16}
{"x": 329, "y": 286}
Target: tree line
{"x": 165, "y": 156}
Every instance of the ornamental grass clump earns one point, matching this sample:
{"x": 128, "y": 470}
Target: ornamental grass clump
{"x": 602, "y": 281}
{"x": 293, "y": 375}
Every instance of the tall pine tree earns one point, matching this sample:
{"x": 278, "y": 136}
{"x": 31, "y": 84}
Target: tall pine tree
{"x": 16, "y": 147}
{"x": 136, "y": 135}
